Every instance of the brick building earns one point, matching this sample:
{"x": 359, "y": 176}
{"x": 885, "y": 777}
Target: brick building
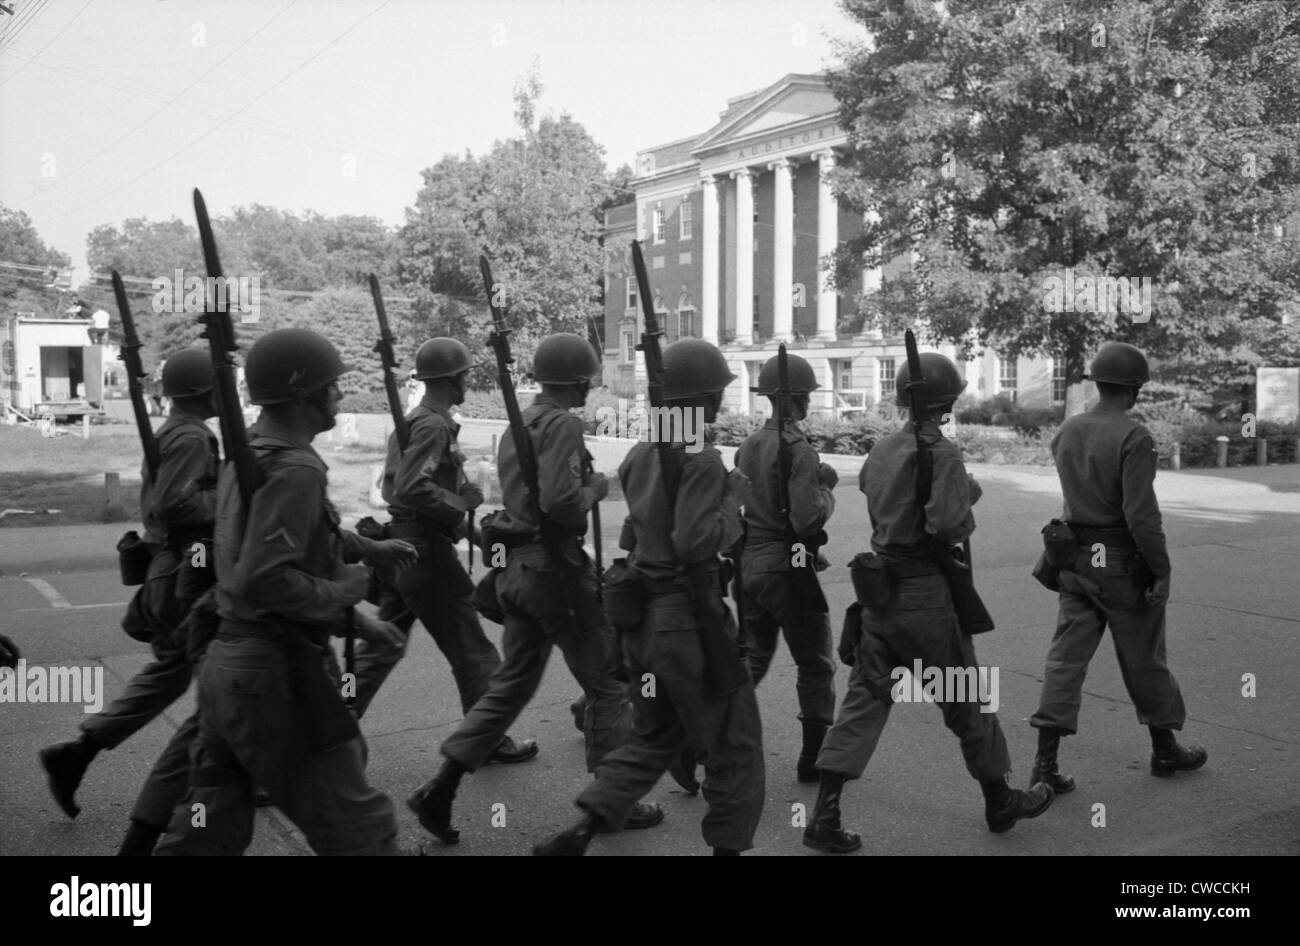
{"x": 755, "y": 180}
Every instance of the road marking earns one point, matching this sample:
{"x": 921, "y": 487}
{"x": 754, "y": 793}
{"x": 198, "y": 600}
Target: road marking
{"x": 76, "y": 607}
{"x": 47, "y": 591}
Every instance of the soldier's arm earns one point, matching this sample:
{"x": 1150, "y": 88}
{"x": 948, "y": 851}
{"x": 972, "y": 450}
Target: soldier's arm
{"x": 948, "y": 513}
{"x": 706, "y": 519}
{"x": 283, "y": 520}
{"x": 1138, "y": 460}
{"x": 413, "y": 484}
{"x": 185, "y": 492}
{"x": 564, "y": 499}
{"x": 811, "y": 503}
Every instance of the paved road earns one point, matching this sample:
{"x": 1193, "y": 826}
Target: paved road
{"x": 1235, "y": 538}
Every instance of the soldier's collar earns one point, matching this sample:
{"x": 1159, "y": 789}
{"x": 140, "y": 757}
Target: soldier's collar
{"x": 433, "y": 407}
{"x": 272, "y": 434}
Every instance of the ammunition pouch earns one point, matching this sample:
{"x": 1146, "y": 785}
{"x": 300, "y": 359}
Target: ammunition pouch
{"x": 625, "y": 595}
{"x": 136, "y": 625}
{"x": 871, "y": 582}
{"x": 1047, "y": 574}
{"x": 485, "y": 599}
{"x": 133, "y": 557}
{"x": 1060, "y": 544}
{"x": 850, "y": 634}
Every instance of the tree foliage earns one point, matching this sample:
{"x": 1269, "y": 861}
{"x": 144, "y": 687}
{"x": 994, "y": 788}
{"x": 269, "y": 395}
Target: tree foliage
{"x": 24, "y": 290}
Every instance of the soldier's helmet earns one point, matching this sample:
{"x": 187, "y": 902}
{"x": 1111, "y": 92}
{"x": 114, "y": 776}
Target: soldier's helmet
{"x": 943, "y": 382}
{"x": 1120, "y": 363}
{"x": 442, "y": 358}
{"x": 692, "y": 368}
{"x": 289, "y": 363}
{"x": 803, "y": 380}
{"x": 187, "y": 373}
{"x": 565, "y": 359}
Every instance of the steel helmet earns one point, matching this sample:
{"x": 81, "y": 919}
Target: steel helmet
{"x": 565, "y": 358}
{"x": 188, "y": 373}
{"x": 289, "y": 363}
{"x": 943, "y": 382}
{"x": 1120, "y": 363}
{"x": 803, "y": 379}
{"x": 693, "y": 367}
{"x": 442, "y": 358}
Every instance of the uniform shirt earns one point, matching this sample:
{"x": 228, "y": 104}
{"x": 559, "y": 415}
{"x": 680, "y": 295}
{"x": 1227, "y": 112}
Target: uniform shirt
{"x": 285, "y": 559}
{"x": 1107, "y": 466}
{"x": 888, "y": 480}
{"x": 664, "y": 536}
{"x": 811, "y": 503}
{"x": 185, "y": 492}
{"x": 565, "y": 499}
{"x": 423, "y": 481}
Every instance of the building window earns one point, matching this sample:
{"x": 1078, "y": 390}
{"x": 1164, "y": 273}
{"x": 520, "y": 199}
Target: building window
{"x": 1058, "y": 380}
{"x": 885, "y": 372}
{"x": 684, "y": 222}
{"x": 1007, "y": 377}
{"x": 629, "y": 348}
{"x": 843, "y": 374}
{"x": 659, "y": 225}
{"x": 688, "y": 325}
{"x": 631, "y": 292}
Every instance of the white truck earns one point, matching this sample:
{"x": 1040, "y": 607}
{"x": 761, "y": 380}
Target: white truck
{"x": 50, "y": 367}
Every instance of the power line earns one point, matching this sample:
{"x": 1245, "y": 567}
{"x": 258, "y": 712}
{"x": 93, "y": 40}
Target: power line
{"x": 74, "y": 19}
{"x": 18, "y": 30}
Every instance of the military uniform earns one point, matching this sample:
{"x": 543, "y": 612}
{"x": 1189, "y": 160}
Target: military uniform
{"x": 918, "y": 622}
{"x": 724, "y": 731}
{"x": 772, "y": 598}
{"x": 1107, "y": 466}
{"x": 270, "y": 708}
{"x": 421, "y": 486}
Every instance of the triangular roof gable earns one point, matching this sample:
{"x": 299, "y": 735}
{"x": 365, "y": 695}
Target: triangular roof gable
{"x": 789, "y": 100}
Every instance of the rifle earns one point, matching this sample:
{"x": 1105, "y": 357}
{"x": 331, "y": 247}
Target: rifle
{"x": 803, "y": 578}
{"x": 954, "y": 561}
{"x": 134, "y": 375}
{"x": 525, "y": 454}
{"x": 385, "y": 349}
{"x": 723, "y": 669}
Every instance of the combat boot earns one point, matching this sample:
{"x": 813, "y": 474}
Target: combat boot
{"x": 1045, "y": 768}
{"x": 1168, "y": 757}
{"x": 432, "y": 802}
{"x": 509, "y": 751}
{"x": 806, "y": 768}
{"x": 66, "y": 765}
{"x": 643, "y": 815}
{"x": 824, "y": 831}
{"x": 1004, "y": 805}
{"x": 572, "y": 841}
{"x": 140, "y": 839}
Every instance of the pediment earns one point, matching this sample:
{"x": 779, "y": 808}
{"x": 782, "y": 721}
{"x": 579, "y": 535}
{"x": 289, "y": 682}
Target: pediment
{"x": 792, "y": 100}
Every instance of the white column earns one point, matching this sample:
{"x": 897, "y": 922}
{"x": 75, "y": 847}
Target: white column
{"x": 709, "y": 258}
{"x": 744, "y": 257}
{"x": 828, "y": 236}
{"x": 783, "y": 253}
{"x": 871, "y": 278}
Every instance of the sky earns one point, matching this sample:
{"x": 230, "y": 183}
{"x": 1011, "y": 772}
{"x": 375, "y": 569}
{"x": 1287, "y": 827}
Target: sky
{"x": 112, "y": 110}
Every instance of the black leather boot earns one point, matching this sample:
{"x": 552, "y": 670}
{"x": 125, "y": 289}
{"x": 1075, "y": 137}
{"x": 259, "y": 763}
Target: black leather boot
{"x": 1045, "y": 768}
{"x": 140, "y": 839}
{"x": 824, "y": 831}
{"x": 1004, "y": 805}
{"x": 66, "y": 765}
{"x": 432, "y": 802}
{"x": 512, "y": 751}
{"x": 572, "y": 841}
{"x": 1168, "y": 757}
{"x": 813, "y": 736}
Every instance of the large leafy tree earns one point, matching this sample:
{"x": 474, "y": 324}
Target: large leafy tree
{"x": 23, "y": 289}
{"x": 999, "y": 143}
{"x": 532, "y": 204}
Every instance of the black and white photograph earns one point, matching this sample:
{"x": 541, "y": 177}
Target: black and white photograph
{"x": 493, "y": 428}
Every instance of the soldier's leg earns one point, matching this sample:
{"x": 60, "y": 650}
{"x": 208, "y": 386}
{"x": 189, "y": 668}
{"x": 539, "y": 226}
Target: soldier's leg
{"x": 852, "y": 740}
{"x": 149, "y": 692}
{"x": 336, "y": 808}
{"x": 1079, "y": 626}
{"x": 166, "y": 785}
{"x": 374, "y": 662}
{"x": 586, "y": 651}
{"x": 1139, "y": 637}
{"x": 762, "y": 625}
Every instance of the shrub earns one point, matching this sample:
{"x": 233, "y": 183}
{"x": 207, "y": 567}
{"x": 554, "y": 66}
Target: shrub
{"x": 1001, "y": 411}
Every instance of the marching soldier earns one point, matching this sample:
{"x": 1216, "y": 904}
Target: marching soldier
{"x": 177, "y": 510}
{"x": 665, "y": 534}
{"x": 1107, "y": 466}
{"x": 545, "y": 602}
{"x": 913, "y": 619}
{"x": 271, "y": 712}
{"x": 777, "y": 598}
{"x": 429, "y": 498}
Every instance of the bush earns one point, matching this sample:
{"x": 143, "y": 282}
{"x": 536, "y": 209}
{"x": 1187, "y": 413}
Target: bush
{"x": 1001, "y": 411}
{"x": 365, "y": 402}
{"x": 1200, "y": 444}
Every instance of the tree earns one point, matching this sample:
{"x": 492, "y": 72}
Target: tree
{"x": 532, "y": 204}
{"x": 23, "y": 289}
{"x": 1002, "y": 144}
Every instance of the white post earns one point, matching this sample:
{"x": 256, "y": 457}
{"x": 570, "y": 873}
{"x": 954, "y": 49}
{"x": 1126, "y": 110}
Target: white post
{"x": 828, "y": 231}
{"x": 709, "y": 257}
{"x": 783, "y": 253}
{"x": 744, "y": 256}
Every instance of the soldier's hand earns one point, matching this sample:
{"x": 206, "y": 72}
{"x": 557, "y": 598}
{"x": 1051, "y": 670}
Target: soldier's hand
{"x": 472, "y": 495}
{"x": 737, "y": 488}
{"x": 355, "y": 580}
{"x": 976, "y": 491}
{"x": 827, "y": 476}
{"x": 1158, "y": 593}
{"x": 393, "y": 552}
{"x": 369, "y": 628}
{"x": 599, "y": 483}
{"x": 8, "y": 652}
